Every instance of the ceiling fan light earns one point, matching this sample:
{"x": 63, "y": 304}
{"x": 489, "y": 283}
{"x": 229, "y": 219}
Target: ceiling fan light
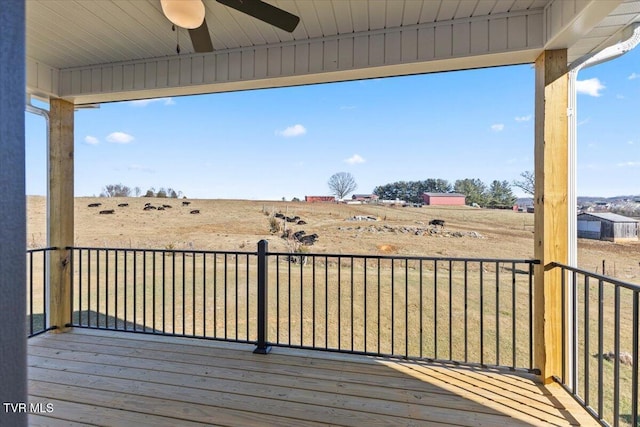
{"x": 184, "y": 13}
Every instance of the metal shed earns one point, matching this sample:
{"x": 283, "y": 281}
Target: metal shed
{"x": 607, "y": 226}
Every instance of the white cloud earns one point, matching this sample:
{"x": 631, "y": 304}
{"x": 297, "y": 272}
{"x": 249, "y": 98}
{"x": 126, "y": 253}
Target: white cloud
{"x": 498, "y": 127}
{"x": 145, "y": 102}
{"x": 91, "y": 140}
{"x": 630, "y": 142}
{"x": 524, "y": 118}
{"x": 291, "y": 131}
{"x": 355, "y": 159}
{"x": 120, "y": 138}
{"x": 591, "y": 87}
{"x": 628, "y": 164}
{"x": 634, "y": 76}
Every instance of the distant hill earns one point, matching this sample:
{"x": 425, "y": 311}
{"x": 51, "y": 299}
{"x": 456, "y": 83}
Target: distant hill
{"x": 583, "y": 200}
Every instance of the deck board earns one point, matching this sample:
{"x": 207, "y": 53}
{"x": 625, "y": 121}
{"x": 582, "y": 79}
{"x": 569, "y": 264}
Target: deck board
{"x": 116, "y": 378}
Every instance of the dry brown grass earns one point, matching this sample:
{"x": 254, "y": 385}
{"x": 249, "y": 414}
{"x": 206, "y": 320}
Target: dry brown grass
{"x": 240, "y": 224}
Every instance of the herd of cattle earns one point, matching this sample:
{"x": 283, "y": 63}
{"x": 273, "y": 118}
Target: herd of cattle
{"x": 299, "y": 236}
{"x": 303, "y": 238}
{"x": 147, "y": 207}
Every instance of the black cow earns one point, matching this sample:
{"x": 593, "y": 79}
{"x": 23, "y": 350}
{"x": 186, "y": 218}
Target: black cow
{"x": 94, "y": 205}
{"x": 195, "y": 211}
{"x": 308, "y": 240}
{"x": 301, "y": 222}
{"x": 298, "y": 234}
{"x": 123, "y": 205}
{"x": 167, "y": 206}
{"x": 186, "y": 203}
{"x": 437, "y": 222}
{"x": 279, "y": 215}
{"x": 107, "y": 212}
{"x": 148, "y": 208}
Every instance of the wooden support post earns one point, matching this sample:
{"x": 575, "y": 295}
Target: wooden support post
{"x": 551, "y": 207}
{"x": 60, "y": 210}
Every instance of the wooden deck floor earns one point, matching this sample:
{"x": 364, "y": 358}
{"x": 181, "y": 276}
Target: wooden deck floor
{"x": 120, "y": 379}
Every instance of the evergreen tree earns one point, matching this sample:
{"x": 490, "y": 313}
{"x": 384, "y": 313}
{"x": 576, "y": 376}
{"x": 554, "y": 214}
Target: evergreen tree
{"x": 474, "y": 190}
{"x": 500, "y": 194}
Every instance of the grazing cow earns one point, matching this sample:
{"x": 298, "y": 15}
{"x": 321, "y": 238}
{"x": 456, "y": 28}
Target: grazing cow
{"x": 279, "y": 215}
{"x": 160, "y": 208}
{"x": 437, "y": 222}
{"x": 195, "y": 211}
{"x": 107, "y": 212}
{"x": 292, "y": 218}
{"x": 298, "y": 234}
{"x": 94, "y": 205}
{"x": 309, "y": 240}
{"x": 167, "y": 206}
{"x": 148, "y": 208}
{"x": 301, "y": 222}
{"x": 186, "y": 203}
{"x": 123, "y": 205}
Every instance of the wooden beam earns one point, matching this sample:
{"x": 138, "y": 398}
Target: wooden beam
{"x": 13, "y": 226}
{"x": 551, "y": 207}
{"x": 60, "y": 207}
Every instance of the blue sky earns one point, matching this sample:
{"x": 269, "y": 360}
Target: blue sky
{"x": 287, "y": 142}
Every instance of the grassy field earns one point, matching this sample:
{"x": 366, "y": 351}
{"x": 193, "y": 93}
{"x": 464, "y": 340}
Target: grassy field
{"x": 240, "y": 224}
{"x": 411, "y": 308}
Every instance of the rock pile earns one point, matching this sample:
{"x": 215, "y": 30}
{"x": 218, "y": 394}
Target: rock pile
{"x": 418, "y": 231}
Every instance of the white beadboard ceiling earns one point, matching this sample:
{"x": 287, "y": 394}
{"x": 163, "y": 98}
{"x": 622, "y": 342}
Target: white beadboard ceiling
{"x": 75, "y": 34}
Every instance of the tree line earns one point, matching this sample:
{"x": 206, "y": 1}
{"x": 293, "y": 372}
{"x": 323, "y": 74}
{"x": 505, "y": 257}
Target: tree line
{"x": 120, "y": 190}
{"x": 496, "y": 194}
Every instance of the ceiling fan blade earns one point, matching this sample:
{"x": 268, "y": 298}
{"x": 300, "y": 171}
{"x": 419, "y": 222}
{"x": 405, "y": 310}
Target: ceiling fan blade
{"x": 265, "y": 12}
{"x": 201, "y": 39}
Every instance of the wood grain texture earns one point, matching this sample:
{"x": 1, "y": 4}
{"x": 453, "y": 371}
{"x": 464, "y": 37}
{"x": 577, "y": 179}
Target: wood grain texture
{"x": 112, "y": 378}
{"x": 551, "y": 207}
{"x": 61, "y": 224}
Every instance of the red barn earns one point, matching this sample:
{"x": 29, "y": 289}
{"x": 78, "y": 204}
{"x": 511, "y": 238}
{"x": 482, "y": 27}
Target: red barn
{"x": 449, "y": 199}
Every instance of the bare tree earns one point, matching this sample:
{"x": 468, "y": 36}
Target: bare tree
{"x": 341, "y": 184}
{"x": 115, "y": 190}
{"x": 528, "y": 183}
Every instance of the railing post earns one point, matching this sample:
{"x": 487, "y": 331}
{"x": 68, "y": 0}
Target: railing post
{"x": 263, "y": 312}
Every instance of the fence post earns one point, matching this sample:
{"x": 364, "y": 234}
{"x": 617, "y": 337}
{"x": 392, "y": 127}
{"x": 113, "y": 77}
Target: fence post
{"x": 263, "y": 313}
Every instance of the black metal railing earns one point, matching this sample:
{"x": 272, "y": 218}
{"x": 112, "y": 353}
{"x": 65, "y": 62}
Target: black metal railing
{"x": 37, "y": 316}
{"x": 601, "y": 328}
{"x": 203, "y": 294}
{"x": 463, "y": 310}
{"x": 471, "y": 311}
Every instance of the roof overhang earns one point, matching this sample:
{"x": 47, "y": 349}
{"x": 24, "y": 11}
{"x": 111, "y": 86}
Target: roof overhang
{"x": 90, "y": 52}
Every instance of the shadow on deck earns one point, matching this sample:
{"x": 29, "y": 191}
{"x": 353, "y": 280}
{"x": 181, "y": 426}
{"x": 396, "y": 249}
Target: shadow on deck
{"x": 92, "y": 377}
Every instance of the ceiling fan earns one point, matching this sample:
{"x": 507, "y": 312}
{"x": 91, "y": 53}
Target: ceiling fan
{"x": 189, "y": 14}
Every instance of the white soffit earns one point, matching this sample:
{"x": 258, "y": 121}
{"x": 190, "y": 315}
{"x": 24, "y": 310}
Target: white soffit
{"x": 95, "y": 51}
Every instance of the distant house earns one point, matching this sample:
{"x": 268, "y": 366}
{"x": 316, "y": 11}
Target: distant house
{"x": 314, "y": 199}
{"x": 607, "y": 226}
{"x": 448, "y": 199}
{"x": 364, "y": 198}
